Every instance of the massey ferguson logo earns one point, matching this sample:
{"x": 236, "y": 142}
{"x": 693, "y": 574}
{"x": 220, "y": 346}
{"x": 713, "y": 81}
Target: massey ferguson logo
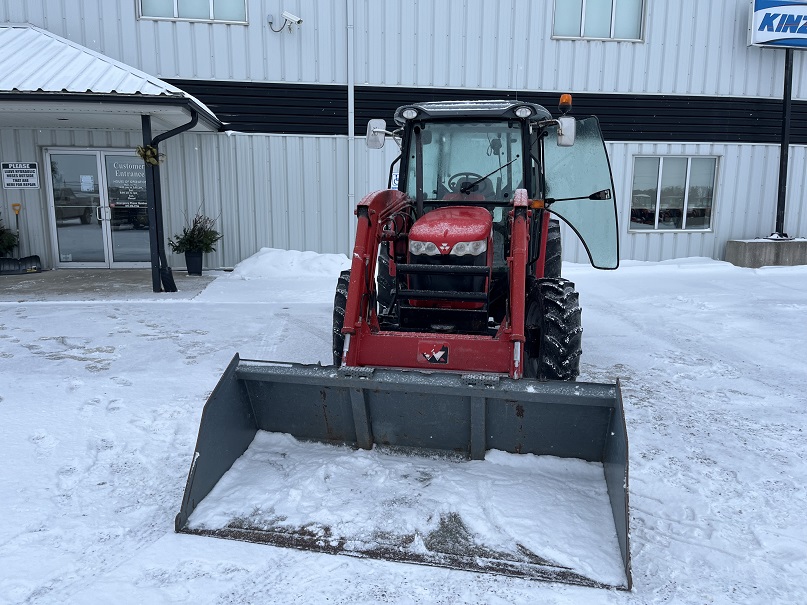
{"x": 433, "y": 353}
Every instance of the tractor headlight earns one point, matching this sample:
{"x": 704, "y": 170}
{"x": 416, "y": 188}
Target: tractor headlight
{"x": 524, "y": 111}
{"x": 427, "y": 248}
{"x": 473, "y": 248}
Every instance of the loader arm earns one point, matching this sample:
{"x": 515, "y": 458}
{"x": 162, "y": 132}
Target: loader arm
{"x": 517, "y": 263}
{"x": 372, "y": 213}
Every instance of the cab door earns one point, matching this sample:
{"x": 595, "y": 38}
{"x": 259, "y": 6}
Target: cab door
{"x": 582, "y": 172}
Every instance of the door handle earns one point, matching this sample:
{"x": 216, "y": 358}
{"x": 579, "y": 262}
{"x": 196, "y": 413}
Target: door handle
{"x": 98, "y": 213}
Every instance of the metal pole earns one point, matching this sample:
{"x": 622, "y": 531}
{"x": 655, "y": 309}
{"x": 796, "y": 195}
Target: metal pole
{"x": 351, "y": 117}
{"x": 783, "y": 156}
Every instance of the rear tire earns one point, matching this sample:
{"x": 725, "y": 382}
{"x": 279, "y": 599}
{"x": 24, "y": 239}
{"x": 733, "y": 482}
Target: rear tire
{"x": 554, "y": 251}
{"x": 553, "y": 330}
{"x": 339, "y": 303}
{"x": 86, "y": 218}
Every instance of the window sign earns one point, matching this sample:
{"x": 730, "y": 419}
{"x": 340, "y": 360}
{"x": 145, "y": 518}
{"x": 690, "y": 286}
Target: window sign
{"x": 87, "y": 183}
{"x": 127, "y": 182}
{"x": 20, "y": 175}
{"x": 778, "y": 23}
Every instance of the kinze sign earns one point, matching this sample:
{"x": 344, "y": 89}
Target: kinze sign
{"x": 778, "y": 23}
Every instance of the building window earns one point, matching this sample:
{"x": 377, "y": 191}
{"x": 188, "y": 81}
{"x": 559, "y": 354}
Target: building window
{"x": 599, "y": 19}
{"x": 672, "y": 193}
{"x": 231, "y": 11}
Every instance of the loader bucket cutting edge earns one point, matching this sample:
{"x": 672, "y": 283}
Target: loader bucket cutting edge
{"x": 428, "y": 411}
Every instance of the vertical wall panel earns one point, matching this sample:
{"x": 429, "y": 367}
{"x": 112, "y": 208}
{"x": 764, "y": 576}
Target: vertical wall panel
{"x": 265, "y": 191}
{"x": 796, "y": 212}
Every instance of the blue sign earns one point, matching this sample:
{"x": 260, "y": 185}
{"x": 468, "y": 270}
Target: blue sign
{"x": 778, "y": 23}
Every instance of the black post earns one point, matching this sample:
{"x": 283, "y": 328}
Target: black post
{"x": 783, "y": 156}
{"x": 151, "y": 204}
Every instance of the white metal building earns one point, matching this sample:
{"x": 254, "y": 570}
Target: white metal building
{"x": 691, "y": 113}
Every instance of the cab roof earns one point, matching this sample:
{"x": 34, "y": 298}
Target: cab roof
{"x": 440, "y": 110}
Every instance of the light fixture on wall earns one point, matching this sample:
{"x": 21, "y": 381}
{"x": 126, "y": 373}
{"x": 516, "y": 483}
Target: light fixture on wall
{"x": 288, "y": 21}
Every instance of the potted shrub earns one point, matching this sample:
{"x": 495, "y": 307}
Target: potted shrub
{"x": 194, "y": 241}
{"x": 8, "y": 239}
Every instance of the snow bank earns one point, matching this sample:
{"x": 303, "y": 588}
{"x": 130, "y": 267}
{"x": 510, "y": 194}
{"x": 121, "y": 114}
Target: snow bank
{"x": 275, "y": 263}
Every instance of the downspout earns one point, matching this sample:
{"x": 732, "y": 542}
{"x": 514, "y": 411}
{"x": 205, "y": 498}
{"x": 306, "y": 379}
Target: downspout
{"x": 351, "y": 113}
{"x": 151, "y": 207}
{"x": 161, "y": 276}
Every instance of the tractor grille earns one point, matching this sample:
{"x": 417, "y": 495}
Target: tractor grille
{"x": 447, "y": 274}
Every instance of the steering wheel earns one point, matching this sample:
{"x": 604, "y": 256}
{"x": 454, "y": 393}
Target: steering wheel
{"x": 459, "y": 180}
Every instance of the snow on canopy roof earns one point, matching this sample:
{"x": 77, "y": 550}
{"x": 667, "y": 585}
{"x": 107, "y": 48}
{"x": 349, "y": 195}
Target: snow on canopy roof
{"x": 36, "y": 60}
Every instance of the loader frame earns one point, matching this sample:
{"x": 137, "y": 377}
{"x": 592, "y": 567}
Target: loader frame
{"x": 366, "y": 344}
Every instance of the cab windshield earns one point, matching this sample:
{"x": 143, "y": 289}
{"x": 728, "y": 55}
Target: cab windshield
{"x": 467, "y": 161}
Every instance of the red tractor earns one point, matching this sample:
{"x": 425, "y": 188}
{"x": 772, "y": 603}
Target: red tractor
{"x": 453, "y": 333}
{"x": 459, "y": 267}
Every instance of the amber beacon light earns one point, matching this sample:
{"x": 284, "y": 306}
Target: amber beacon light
{"x": 565, "y": 105}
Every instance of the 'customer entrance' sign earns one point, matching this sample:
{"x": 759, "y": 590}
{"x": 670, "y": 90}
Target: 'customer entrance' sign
{"x": 20, "y": 175}
{"x": 778, "y": 23}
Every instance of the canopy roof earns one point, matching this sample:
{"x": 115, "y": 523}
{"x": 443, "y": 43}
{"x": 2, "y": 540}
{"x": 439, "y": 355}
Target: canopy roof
{"x": 49, "y": 82}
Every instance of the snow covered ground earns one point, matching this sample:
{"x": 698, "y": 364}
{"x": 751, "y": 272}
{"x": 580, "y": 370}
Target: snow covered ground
{"x": 100, "y": 405}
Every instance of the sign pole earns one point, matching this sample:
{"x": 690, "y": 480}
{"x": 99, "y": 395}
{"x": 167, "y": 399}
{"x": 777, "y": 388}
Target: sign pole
{"x": 783, "y": 156}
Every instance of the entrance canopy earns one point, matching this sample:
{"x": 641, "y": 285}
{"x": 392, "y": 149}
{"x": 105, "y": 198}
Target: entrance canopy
{"x": 49, "y": 82}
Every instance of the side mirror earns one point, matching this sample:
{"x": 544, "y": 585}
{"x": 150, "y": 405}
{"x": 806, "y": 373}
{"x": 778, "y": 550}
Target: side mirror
{"x": 376, "y": 134}
{"x": 567, "y": 129}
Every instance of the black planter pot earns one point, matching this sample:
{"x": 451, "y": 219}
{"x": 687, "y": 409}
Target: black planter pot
{"x": 193, "y": 261}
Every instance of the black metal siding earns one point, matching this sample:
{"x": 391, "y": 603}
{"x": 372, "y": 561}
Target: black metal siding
{"x": 623, "y": 117}
{"x": 276, "y": 108}
{"x": 322, "y": 109}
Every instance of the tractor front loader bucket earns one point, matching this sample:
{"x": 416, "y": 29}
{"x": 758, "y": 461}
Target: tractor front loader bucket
{"x": 441, "y": 425}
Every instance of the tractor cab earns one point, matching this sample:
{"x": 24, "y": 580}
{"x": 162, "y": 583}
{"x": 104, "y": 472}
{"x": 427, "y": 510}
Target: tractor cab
{"x": 461, "y": 165}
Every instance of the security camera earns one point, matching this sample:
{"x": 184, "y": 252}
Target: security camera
{"x": 293, "y": 18}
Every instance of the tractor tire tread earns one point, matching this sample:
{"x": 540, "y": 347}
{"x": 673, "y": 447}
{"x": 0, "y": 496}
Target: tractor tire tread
{"x": 339, "y": 304}
{"x": 554, "y": 250}
{"x": 554, "y": 332}
{"x": 385, "y": 284}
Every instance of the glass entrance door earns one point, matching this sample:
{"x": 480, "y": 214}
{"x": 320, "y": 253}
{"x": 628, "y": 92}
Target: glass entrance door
{"x": 76, "y": 202}
{"x": 99, "y": 215}
{"x": 127, "y": 216}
